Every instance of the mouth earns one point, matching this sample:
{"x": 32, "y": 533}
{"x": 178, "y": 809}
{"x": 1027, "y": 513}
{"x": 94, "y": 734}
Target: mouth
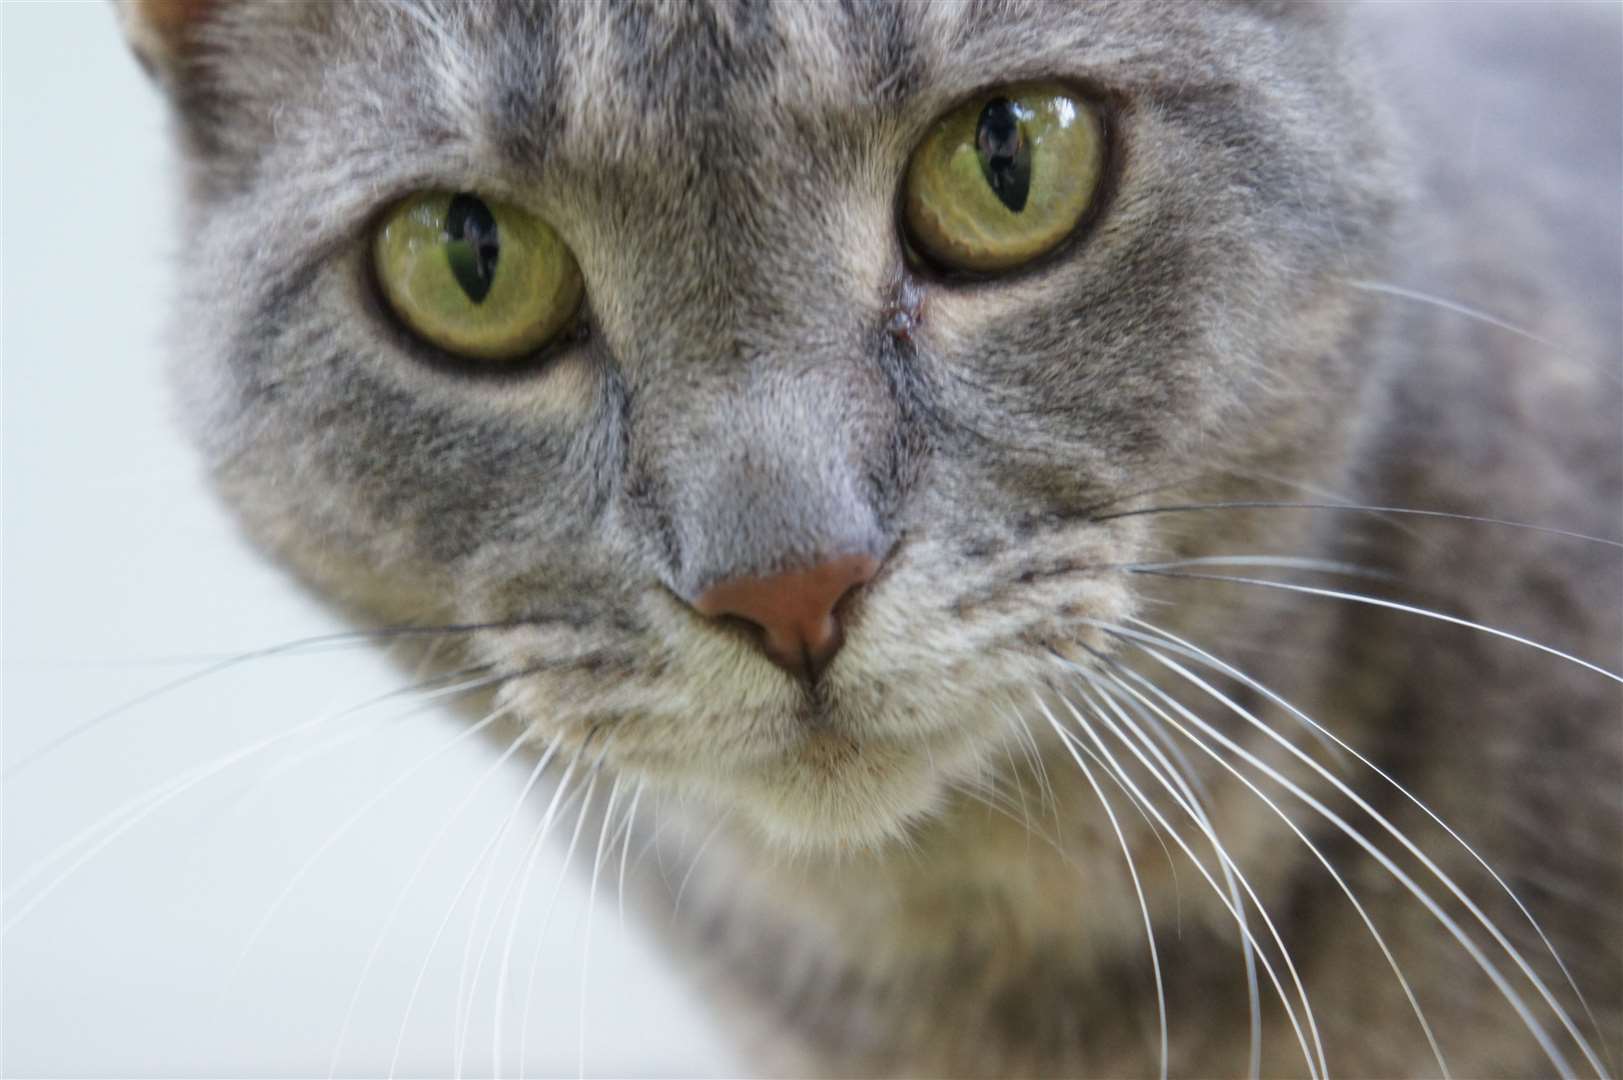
{"x": 818, "y": 710}
{"x": 905, "y": 717}
{"x": 828, "y": 780}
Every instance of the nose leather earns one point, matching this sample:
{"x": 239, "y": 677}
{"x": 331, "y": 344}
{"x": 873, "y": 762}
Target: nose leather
{"x": 794, "y": 610}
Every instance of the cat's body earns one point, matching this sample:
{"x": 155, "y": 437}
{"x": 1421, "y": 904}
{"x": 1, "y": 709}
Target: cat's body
{"x": 766, "y": 378}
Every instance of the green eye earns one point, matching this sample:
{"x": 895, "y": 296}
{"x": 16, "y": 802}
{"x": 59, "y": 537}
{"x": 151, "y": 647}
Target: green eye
{"x": 1004, "y": 178}
{"x": 478, "y": 278}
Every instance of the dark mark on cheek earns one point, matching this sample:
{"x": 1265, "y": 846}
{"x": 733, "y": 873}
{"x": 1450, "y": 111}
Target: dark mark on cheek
{"x": 904, "y": 313}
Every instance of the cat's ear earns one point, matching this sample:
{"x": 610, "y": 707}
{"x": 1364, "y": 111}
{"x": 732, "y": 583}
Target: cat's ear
{"x": 162, "y": 32}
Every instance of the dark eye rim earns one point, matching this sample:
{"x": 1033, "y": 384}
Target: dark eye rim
{"x": 574, "y": 333}
{"x": 1107, "y": 107}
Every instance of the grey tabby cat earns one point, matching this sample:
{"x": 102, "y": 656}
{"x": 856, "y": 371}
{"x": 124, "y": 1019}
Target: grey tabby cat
{"x": 969, "y": 458}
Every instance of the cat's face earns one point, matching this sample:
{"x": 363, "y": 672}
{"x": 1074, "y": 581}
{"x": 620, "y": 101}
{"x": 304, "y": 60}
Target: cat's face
{"x": 762, "y": 374}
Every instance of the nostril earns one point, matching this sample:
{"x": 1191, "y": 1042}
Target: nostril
{"x": 748, "y": 628}
{"x": 795, "y": 611}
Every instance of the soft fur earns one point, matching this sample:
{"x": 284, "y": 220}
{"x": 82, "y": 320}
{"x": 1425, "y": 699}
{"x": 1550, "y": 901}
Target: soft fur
{"x": 762, "y": 377}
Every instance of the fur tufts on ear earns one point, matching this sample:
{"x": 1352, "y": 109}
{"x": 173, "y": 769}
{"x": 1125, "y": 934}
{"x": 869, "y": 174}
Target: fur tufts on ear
{"x": 160, "y": 31}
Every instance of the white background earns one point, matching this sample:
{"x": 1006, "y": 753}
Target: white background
{"x": 119, "y": 575}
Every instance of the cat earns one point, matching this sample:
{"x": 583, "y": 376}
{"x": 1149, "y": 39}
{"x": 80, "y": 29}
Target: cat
{"x": 946, "y": 572}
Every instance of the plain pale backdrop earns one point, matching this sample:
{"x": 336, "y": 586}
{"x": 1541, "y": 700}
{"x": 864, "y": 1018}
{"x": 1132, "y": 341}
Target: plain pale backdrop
{"x": 120, "y": 574}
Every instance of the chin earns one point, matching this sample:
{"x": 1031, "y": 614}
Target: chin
{"x": 835, "y": 793}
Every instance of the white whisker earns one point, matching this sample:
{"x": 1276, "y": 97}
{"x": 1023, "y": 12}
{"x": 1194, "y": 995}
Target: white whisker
{"x": 485, "y": 852}
{"x": 301, "y": 647}
{"x": 586, "y": 934}
{"x": 1155, "y": 831}
{"x": 411, "y": 879}
{"x": 519, "y": 879}
{"x": 1205, "y": 657}
{"x": 1234, "y": 878}
{"x": 131, "y": 813}
{"x": 1346, "y": 890}
{"x": 1192, "y": 805}
{"x": 1239, "y": 919}
{"x": 546, "y": 921}
{"x": 715, "y": 830}
{"x": 1478, "y": 315}
{"x": 625, "y": 847}
{"x": 1034, "y": 758}
{"x": 1359, "y": 508}
{"x": 1483, "y": 962}
{"x": 1138, "y": 889}
{"x": 1279, "y": 562}
{"x": 1019, "y": 788}
{"x": 1393, "y": 605}
{"x": 354, "y": 819}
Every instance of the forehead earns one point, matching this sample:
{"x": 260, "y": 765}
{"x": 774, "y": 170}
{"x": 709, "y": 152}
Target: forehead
{"x": 601, "y": 80}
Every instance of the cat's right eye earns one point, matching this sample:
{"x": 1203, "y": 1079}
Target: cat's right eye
{"x": 478, "y": 278}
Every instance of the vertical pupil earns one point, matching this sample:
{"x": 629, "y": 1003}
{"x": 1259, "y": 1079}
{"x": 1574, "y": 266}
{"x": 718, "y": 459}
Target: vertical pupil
{"x": 471, "y": 245}
{"x": 1004, "y": 154}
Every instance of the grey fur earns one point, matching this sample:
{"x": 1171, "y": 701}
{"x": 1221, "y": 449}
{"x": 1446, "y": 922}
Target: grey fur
{"x": 743, "y": 398}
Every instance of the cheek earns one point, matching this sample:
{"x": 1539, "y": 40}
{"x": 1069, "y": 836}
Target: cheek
{"x": 1086, "y": 386}
{"x": 391, "y": 503}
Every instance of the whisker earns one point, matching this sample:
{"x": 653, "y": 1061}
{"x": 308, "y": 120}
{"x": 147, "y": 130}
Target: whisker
{"x": 295, "y": 761}
{"x": 985, "y": 791}
{"x": 1210, "y": 660}
{"x": 520, "y": 879}
{"x": 464, "y": 1003}
{"x": 1155, "y": 831}
{"x": 1179, "y": 768}
{"x": 150, "y": 801}
{"x": 1280, "y": 562}
{"x": 1138, "y": 889}
{"x": 1034, "y": 759}
{"x": 1278, "y": 504}
{"x": 715, "y": 830}
{"x": 456, "y": 900}
{"x": 1488, "y": 967}
{"x": 411, "y": 879}
{"x": 586, "y": 934}
{"x": 1335, "y": 876}
{"x": 1268, "y": 968}
{"x": 524, "y": 877}
{"x": 1019, "y": 788}
{"x": 1359, "y": 598}
{"x": 546, "y": 921}
{"x": 350, "y": 822}
{"x": 131, "y": 813}
{"x": 625, "y": 847}
{"x": 1193, "y": 804}
{"x": 1235, "y": 879}
{"x": 298, "y": 647}
{"x": 120, "y": 821}
{"x": 1478, "y": 315}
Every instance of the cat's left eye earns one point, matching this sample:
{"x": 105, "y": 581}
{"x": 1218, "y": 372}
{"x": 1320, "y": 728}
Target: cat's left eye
{"x": 479, "y": 278}
{"x": 1004, "y": 178}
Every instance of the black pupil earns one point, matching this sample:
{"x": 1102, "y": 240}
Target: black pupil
{"x": 471, "y": 245}
{"x": 1004, "y": 153}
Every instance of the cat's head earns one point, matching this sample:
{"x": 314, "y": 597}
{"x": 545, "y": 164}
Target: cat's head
{"x": 775, "y": 468}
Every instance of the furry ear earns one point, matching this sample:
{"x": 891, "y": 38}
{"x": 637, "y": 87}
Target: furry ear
{"x": 161, "y": 31}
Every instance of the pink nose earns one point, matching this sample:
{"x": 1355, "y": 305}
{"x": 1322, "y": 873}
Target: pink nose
{"x": 794, "y": 610}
